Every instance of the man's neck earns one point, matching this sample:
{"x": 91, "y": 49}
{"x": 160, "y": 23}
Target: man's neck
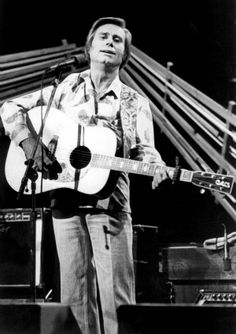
{"x": 102, "y": 78}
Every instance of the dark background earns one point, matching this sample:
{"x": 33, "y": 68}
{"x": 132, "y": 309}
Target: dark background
{"x": 198, "y": 36}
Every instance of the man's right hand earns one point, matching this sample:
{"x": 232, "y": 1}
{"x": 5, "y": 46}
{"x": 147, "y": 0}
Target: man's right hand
{"x": 49, "y": 168}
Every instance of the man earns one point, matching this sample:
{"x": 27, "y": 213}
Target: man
{"x": 94, "y": 236}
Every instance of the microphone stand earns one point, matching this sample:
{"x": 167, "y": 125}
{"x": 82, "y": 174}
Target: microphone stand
{"x": 226, "y": 259}
{"x": 31, "y": 174}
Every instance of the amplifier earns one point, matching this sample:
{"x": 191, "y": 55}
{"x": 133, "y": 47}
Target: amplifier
{"x": 186, "y": 262}
{"x": 17, "y": 215}
{"x": 216, "y": 297}
{"x": 16, "y": 237}
{"x": 192, "y": 269}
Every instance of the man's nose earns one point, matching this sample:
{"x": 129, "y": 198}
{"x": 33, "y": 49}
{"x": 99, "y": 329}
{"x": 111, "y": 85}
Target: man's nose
{"x": 109, "y": 41}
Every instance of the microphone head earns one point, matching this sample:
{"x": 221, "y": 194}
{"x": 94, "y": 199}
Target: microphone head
{"x": 76, "y": 61}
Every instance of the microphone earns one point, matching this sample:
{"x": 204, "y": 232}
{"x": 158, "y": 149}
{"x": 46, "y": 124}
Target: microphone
{"x": 76, "y": 61}
{"x": 226, "y": 260}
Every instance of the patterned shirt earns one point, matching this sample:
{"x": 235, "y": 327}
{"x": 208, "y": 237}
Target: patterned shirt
{"x": 120, "y": 108}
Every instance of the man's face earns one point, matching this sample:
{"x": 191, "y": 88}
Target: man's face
{"x": 108, "y": 45}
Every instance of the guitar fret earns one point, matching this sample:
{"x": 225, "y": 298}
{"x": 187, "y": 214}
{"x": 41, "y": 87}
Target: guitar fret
{"x": 152, "y": 169}
{"x": 121, "y": 164}
{"x": 145, "y": 167}
{"x": 135, "y": 167}
{"x": 110, "y": 161}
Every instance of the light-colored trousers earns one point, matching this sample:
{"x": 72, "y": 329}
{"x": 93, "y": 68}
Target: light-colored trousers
{"x": 96, "y": 264}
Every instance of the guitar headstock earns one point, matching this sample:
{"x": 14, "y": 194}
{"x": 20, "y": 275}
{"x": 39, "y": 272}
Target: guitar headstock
{"x": 212, "y": 181}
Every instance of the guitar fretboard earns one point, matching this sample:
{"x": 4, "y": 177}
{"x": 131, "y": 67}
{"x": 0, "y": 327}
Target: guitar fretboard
{"x": 136, "y": 167}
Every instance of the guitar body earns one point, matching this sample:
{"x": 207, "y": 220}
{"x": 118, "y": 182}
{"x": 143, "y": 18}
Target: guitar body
{"x": 89, "y": 180}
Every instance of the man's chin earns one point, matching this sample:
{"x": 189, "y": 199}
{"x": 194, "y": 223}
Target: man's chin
{"x": 109, "y": 64}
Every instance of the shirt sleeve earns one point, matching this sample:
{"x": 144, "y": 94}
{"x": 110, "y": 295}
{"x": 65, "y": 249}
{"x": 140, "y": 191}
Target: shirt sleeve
{"x": 145, "y": 133}
{"x": 14, "y": 112}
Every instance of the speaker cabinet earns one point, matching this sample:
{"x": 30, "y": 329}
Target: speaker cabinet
{"x": 151, "y": 285}
{"x": 176, "y": 319}
{"x": 17, "y": 238}
{"x": 38, "y": 318}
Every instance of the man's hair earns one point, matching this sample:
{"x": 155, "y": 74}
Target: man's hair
{"x": 110, "y": 20}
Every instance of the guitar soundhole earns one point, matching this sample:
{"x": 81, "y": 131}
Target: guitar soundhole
{"x": 80, "y": 157}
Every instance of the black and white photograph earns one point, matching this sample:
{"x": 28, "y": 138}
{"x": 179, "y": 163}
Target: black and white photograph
{"x": 118, "y": 167}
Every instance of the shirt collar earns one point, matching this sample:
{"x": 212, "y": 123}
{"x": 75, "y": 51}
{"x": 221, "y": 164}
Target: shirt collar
{"x": 114, "y": 88}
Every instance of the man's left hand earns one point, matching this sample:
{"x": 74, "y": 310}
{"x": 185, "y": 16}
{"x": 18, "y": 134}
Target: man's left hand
{"x": 159, "y": 176}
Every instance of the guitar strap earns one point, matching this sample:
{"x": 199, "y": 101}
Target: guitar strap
{"x": 128, "y": 114}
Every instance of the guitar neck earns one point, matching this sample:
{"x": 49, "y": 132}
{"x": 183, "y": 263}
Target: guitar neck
{"x": 136, "y": 167}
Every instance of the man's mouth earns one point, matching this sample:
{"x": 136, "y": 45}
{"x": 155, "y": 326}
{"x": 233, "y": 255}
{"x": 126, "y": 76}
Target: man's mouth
{"x": 108, "y": 52}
